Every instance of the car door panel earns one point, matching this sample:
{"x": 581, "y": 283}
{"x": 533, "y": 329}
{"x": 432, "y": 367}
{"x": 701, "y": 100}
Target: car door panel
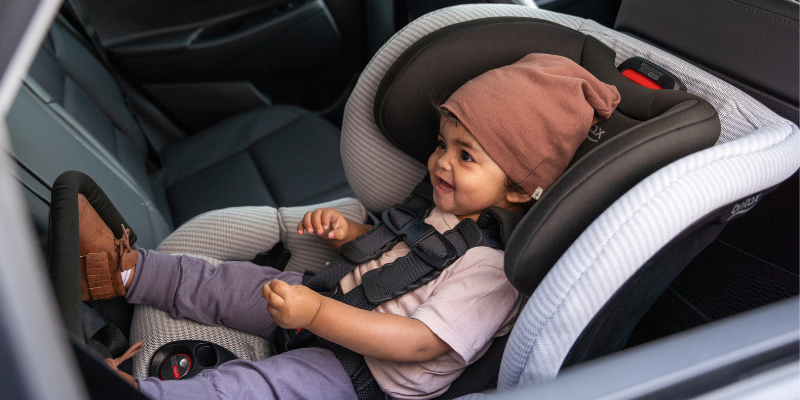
{"x": 303, "y": 37}
{"x": 190, "y": 57}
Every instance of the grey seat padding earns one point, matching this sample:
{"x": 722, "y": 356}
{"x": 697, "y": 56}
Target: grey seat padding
{"x": 277, "y": 156}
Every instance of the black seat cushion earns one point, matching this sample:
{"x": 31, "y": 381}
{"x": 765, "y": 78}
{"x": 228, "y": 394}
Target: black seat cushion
{"x": 278, "y": 156}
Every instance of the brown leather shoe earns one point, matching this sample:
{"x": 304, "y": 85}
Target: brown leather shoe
{"x": 103, "y": 258}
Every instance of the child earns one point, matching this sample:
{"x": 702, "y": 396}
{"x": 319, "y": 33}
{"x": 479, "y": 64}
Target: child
{"x": 505, "y": 137}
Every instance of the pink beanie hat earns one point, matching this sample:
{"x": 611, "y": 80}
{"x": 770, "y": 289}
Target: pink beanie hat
{"x": 532, "y": 115}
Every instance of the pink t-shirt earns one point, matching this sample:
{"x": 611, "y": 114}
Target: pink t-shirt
{"x": 470, "y": 303}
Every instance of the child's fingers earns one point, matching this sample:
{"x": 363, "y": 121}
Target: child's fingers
{"x": 273, "y": 312}
{"x": 328, "y": 217}
{"x": 307, "y": 222}
{"x": 322, "y": 221}
{"x": 281, "y": 289}
{"x": 325, "y": 218}
{"x": 301, "y": 225}
{"x": 273, "y": 299}
{"x": 316, "y": 221}
{"x": 332, "y": 222}
{"x": 337, "y": 235}
{"x": 338, "y": 225}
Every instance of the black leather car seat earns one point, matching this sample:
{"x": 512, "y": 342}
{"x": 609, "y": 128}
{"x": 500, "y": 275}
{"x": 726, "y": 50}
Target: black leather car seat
{"x": 276, "y": 156}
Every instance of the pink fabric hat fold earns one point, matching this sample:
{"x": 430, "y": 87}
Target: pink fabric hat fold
{"x": 532, "y": 115}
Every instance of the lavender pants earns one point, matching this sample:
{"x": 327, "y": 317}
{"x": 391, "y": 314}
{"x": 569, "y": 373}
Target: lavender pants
{"x": 230, "y": 295}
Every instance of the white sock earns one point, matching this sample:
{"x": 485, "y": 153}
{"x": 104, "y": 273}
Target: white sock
{"x": 126, "y": 275}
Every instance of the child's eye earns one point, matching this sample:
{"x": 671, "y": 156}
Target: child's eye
{"x": 465, "y": 156}
{"x": 440, "y": 144}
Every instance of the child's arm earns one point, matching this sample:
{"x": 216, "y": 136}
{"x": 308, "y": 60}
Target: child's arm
{"x": 332, "y": 226}
{"x": 386, "y": 337}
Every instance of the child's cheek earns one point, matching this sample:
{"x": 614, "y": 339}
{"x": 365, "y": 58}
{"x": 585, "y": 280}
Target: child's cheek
{"x": 432, "y": 165}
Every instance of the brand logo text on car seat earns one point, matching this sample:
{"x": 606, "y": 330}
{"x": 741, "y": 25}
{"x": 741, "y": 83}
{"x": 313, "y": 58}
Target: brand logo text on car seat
{"x": 595, "y": 133}
{"x": 650, "y": 71}
{"x": 744, "y": 206}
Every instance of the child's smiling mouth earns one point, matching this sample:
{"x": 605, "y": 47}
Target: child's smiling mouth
{"x": 443, "y": 187}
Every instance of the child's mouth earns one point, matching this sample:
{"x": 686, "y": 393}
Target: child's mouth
{"x": 443, "y": 187}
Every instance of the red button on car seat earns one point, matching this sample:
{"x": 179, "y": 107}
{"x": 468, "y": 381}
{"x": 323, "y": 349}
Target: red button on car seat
{"x": 640, "y": 79}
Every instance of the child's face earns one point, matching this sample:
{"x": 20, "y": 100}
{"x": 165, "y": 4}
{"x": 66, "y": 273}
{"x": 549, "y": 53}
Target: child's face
{"x": 465, "y": 179}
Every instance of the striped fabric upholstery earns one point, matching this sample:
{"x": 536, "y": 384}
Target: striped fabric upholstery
{"x": 239, "y": 233}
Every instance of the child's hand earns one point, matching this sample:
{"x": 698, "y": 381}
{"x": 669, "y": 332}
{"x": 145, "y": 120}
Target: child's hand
{"x": 326, "y": 223}
{"x": 291, "y": 306}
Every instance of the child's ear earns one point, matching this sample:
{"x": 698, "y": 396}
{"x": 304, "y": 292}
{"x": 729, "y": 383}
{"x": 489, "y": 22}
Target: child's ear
{"x": 517, "y": 197}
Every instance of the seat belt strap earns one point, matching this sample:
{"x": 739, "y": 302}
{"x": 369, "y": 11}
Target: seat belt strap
{"x": 376, "y": 241}
{"x": 101, "y": 336}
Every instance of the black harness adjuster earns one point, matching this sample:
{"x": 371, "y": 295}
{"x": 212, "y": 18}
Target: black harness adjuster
{"x": 470, "y": 232}
{"x": 417, "y": 230}
{"x": 355, "y": 256}
{"x": 373, "y": 290}
{"x": 413, "y": 231}
{"x": 438, "y": 263}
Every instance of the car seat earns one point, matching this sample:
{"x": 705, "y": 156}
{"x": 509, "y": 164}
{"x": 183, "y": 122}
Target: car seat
{"x": 634, "y": 197}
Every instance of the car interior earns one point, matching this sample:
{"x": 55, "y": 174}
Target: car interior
{"x": 212, "y": 127}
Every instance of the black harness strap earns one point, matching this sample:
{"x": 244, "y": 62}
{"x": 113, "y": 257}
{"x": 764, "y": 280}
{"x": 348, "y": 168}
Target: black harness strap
{"x": 102, "y": 337}
{"x": 426, "y": 261}
{"x": 376, "y": 241}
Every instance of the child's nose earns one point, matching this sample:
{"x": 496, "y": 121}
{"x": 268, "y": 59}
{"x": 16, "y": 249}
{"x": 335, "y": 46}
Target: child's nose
{"x": 445, "y": 161}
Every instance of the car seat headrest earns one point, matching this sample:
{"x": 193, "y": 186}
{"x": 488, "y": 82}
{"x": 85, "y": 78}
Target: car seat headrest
{"x": 443, "y": 60}
{"x": 649, "y": 129}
